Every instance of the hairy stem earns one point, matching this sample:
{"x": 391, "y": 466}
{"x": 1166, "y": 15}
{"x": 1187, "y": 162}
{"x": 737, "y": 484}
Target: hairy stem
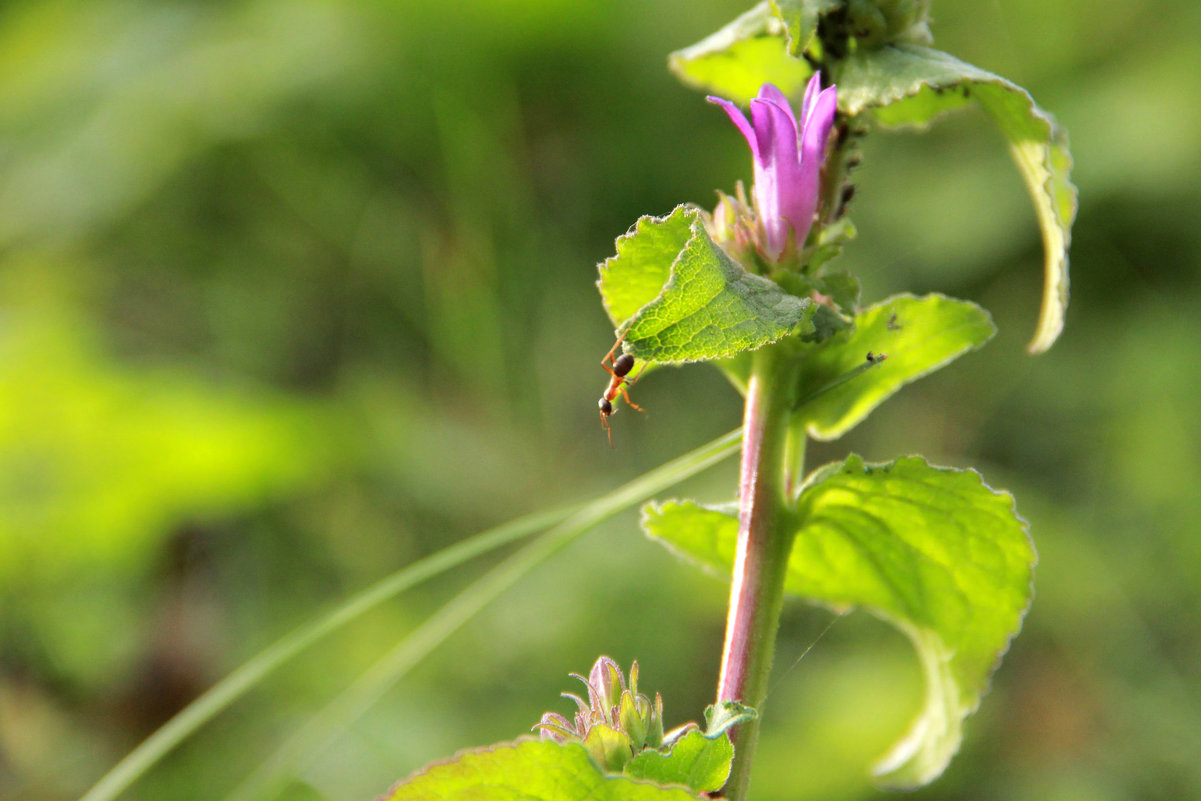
{"x": 764, "y": 540}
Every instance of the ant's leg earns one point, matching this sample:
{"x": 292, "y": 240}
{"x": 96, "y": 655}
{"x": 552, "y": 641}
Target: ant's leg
{"x": 626, "y": 396}
{"x": 631, "y": 381}
{"x": 609, "y": 356}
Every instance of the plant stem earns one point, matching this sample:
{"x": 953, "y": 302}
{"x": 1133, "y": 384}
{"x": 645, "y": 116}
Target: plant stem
{"x": 794, "y": 458}
{"x": 764, "y": 541}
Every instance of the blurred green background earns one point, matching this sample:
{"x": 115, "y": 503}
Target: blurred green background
{"x": 294, "y": 292}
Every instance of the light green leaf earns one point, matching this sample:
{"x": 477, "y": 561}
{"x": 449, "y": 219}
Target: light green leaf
{"x": 694, "y": 760}
{"x": 911, "y": 85}
{"x": 747, "y": 53}
{"x": 636, "y": 275}
{"x": 725, "y": 715}
{"x": 707, "y": 306}
{"x": 706, "y": 535}
{"x": 940, "y": 555}
{"x": 919, "y": 335}
{"x": 933, "y": 551}
{"x": 527, "y": 770}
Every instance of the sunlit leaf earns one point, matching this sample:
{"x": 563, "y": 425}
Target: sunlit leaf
{"x": 933, "y": 551}
{"x": 739, "y": 58}
{"x": 636, "y": 275}
{"x": 911, "y": 85}
{"x": 709, "y": 307}
{"x": 527, "y": 770}
{"x": 703, "y": 534}
{"x": 918, "y": 335}
{"x": 695, "y": 761}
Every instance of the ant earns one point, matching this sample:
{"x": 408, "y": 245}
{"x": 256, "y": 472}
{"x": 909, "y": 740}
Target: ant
{"x": 621, "y": 367}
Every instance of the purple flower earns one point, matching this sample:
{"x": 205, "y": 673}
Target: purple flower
{"x": 788, "y": 158}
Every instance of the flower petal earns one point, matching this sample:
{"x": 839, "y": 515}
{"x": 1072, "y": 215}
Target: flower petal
{"x": 739, "y": 120}
{"x": 811, "y": 91}
{"x": 816, "y": 130}
{"x": 772, "y": 94}
{"x": 787, "y": 159}
{"x": 776, "y": 170}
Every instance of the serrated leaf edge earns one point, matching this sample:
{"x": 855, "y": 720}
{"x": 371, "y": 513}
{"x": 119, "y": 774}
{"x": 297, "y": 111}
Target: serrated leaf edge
{"x": 697, "y": 226}
{"x": 631, "y": 232}
{"x": 904, "y": 748}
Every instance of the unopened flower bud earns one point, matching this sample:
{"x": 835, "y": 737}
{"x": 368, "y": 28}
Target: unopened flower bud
{"x": 615, "y": 723}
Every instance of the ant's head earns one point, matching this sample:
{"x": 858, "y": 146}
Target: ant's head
{"x": 606, "y": 408}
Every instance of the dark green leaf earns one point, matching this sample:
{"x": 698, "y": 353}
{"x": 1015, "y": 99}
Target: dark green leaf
{"x": 527, "y": 770}
{"x": 911, "y": 85}
{"x": 919, "y": 335}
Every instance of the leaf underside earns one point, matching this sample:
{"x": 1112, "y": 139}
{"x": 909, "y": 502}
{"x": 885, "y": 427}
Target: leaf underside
{"x": 933, "y": 551}
{"x": 742, "y": 56}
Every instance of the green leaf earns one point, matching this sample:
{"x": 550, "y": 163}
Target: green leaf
{"x": 911, "y": 85}
{"x": 695, "y": 761}
{"x": 722, "y": 716}
{"x": 527, "y": 770}
{"x": 570, "y": 523}
{"x": 933, "y": 551}
{"x": 800, "y": 20}
{"x": 707, "y": 306}
{"x": 636, "y": 275}
{"x": 747, "y": 53}
{"x": 706, "y": 535}
{"x": 939, "y": 554}
{"x": 919, "y": 335}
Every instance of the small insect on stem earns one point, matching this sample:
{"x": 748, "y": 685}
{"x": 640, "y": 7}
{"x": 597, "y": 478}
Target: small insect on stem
{"x": 618, "y": 384}
{"x": 876, "y": 358}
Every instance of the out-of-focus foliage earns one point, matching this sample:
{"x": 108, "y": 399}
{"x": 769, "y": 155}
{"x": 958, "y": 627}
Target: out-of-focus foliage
{"x": 292, "y": 293}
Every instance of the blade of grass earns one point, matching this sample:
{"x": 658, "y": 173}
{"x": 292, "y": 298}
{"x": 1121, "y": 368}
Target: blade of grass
{"x": 244, "y": 678}
{"x": 273, "y": 773}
